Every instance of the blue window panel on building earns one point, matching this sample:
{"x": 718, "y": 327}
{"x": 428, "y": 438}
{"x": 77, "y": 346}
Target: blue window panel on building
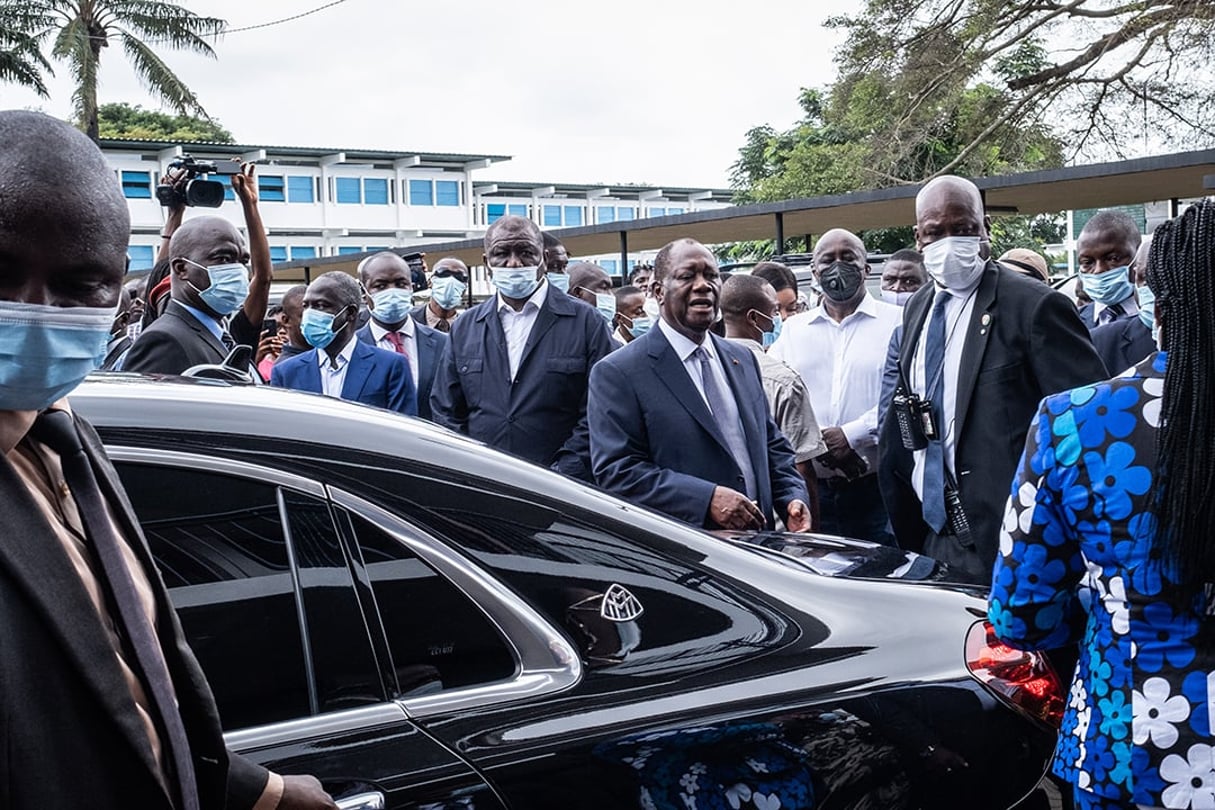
{"x": 658, "y": 212}
{"x": 142, "y": 256}
{"x": 300, "y": 189}
{"x": 609, "y": 265}
{"x": 349, "y": 190}
{"x": 517, "y": 210}
{"x": 302, "y": 252}
{"x": 375, "y": 191}
{"x": 137, "y": 185}
{"x": 278, "y": 253}
{"x": 672, "y": 212}
{"x": 607, "y": 213}
{"x": 626, "y": 214}
{"x": 376, "y": 248}
{"x": 421, "y": 192}
{"x": 346, "y": 250}
{"x": 495, "y": 211}
{"x": 270, "y": 188}
{"x": 552, "y": 215}
{"x": 447, "y": 192}
{"x": 573, "y": 215}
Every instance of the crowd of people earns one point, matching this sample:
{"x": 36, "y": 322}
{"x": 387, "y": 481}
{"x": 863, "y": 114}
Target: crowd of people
{"x": 724, "y": 402}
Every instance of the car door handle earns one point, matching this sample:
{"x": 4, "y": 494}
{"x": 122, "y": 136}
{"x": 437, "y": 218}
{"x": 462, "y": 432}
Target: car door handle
{"x": 362, "y": 801}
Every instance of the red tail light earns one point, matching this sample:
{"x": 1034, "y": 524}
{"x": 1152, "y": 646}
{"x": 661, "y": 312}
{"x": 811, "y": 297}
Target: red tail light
{"x": 1025, "y": 680}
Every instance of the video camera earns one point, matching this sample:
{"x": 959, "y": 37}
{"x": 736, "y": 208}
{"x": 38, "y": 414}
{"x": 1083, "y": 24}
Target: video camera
{"x": 198, "y": 190}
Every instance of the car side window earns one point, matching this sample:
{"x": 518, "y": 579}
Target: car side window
{"x": 219, "y": 543}
{"x": 345, "y": 669}
{"x": 437, "y": 637}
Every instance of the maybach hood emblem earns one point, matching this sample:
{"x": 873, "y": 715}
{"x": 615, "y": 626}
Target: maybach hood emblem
{"x": 619, "y": 605}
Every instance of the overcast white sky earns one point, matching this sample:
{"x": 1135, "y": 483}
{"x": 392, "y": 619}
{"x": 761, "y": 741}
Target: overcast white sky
{"x": 645, "y": 91}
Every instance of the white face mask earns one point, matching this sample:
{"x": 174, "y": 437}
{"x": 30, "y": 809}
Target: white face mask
{"x": 899, "y": 299}
{"x": 954, "y": 262}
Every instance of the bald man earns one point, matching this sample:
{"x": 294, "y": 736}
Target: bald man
{"x": 839, "y": 350}
{"x": 210, "y": 280}
{"x": 388, "y": 294}
{"x": 980, "y": 347}
{"x": 104, "y": 706}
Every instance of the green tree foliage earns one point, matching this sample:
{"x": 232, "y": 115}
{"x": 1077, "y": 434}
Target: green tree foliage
{"x": 127, "y": 121}
{"x": 78, "y": 30}
{"x": 21, "y": 60}
{"x": 1099, "y": 74}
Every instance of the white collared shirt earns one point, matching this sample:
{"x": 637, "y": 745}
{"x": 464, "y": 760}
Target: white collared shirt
{"x": 841, "y": 365}
{"x": 684, "y": 350}
{"x": 517, "y": 326}
{"x": 409, "y": 337}
{"x": 1129, "y": 305}
{"x": 959, "y": 309}
{"x": 333, "y": 379}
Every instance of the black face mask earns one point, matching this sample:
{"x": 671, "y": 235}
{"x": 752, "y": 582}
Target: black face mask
{"x": 841, "y": 280}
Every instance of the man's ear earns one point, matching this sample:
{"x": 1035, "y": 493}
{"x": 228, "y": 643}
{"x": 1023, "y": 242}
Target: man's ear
{"x": 179, "y": 268}
{"x": 915, "y": 229}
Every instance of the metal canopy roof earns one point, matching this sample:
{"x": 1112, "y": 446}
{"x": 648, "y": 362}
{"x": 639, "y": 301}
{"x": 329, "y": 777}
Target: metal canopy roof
{"x": 1125, "y": 182}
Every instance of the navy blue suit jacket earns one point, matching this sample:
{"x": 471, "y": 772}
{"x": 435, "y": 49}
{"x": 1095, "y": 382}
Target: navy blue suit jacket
{"x": 431, "y": 343}
{"x": 544, "y": 407}
{"x": 655, "y": 443}
{"x": 1123, "y": 343}
{"x": 374, "y": 377}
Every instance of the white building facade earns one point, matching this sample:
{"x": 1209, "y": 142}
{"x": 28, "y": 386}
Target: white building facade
{"x": 326, "y": 202}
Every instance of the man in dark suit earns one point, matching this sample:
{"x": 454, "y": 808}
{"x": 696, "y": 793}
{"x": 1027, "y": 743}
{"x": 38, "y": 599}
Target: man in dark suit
{"x": 515, "y": 372}
{"x": 104, "y": 706}
{"x": 679, "y": 421}
{"x": 1105, "y": 250}
{"x": 389, "y": 293}
{"x": 339, "y": 364}
{"x": 215, "y": 305}
{"x": 1122, "y": 343}
{"x": 980, "y": 347}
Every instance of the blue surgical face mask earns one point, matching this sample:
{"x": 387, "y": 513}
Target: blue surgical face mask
{"x": 639, "y": 325}
{"x": 447, "y": 291}
{"x": 515, "y": 282}
{"x": 317, "y": 328}
{"x": 391, "y": 305}
{"x": 560, "y": 281}
{"x": 45, "y": 352}
{"x": 1109, "y": 287}
{"x": 605, "y": 304}
{"x": 229, "y": 286}
{"x": 1147, "y": 307}
{"x": 769, "y": 337}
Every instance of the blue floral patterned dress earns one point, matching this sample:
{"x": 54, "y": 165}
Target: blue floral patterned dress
{"x": 1079, "y": 562}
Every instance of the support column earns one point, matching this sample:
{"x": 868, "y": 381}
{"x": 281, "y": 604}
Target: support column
{"x": 624, "y": 254}
{"x": 780, "y": 232}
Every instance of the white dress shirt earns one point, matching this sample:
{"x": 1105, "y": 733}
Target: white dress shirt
{"x": 332, "y": 379}
{"x": 1129, "y": 305}
{"x": 684, "y": 349}
{"x": 409, "y": 337}
{"x": 517, "y": 326}
{"x": 959, "y": 308}
{"x": 841, "y": 365}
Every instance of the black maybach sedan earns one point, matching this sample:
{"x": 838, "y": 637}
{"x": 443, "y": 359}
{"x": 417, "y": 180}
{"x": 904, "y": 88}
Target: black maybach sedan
{"x": 423, "y": 622}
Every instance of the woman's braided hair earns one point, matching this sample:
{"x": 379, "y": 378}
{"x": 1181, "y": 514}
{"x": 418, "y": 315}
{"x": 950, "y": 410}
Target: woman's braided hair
{"x": 1181, "y": 272}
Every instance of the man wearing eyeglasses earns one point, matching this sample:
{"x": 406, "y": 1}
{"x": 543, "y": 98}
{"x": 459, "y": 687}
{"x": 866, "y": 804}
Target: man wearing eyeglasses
{"x": 448, "y": 284}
